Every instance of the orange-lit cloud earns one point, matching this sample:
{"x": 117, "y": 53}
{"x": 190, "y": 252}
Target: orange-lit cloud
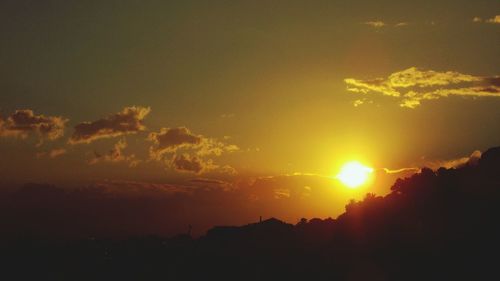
{"x": 115, "y": 155}
{"x": 494, "y": 20}
{"x": 412, "y": 85}
{"x": 127, "y": 121}
{"x": 401, "y": 170}
{"x": 24, "y": 122}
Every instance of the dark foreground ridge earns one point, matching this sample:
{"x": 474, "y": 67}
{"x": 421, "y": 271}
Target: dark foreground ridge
{"x": 435, "y": 225}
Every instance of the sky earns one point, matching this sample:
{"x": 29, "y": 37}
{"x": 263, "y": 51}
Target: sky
{"x": 262, "y": 100}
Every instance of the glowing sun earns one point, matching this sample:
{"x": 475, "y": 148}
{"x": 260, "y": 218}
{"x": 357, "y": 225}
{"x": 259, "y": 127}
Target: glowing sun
{"x": 354, "y": 174}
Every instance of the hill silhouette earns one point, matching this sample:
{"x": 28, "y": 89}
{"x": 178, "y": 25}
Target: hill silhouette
{"x": 434, "y": 225}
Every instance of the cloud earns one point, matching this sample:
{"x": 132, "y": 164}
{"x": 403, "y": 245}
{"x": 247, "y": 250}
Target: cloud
{"x": 172, "y": 140}
{"x": 56, "y": 152}
{"x": 210, "y": 146}
{"x": 471, "y": 160}
{"x": 227, "y": 115}
{"x": 379, "y": 24}
{"x": 169, "y": 140}
{"x": 24, "y": 122}
{"x": 208, "y": 184}
{"x": 128, "y": 121}
{"x": 193, "y": 164}
{"x": 495, "y": 19}
{"x": 376, "y": 24}
{"x": 413, "y": 85}
{"x": 128, "y": 188}
{"x": 401, "y": 170}
{"x": 357, "y": 103}
{"x": 115, "y": 155}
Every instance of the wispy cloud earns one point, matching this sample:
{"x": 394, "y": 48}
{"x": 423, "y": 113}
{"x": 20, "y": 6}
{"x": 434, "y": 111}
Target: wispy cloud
{"x": 227, "y": 115}
{"x": 472, "y": 159}
{"x": 376, "y": 24}
{"x": 379, "y": 24}
{"x": 413, "y": 85}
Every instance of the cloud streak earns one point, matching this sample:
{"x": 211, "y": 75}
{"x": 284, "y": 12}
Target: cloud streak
{"x": 413, "y": 85}
{"x": 376, "y": 24}
{"x": 127, "y": 121}
{"x": 493, "y": 20}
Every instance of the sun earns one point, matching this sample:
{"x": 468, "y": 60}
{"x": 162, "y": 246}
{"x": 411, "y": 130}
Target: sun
{"x": 354, "y": 174}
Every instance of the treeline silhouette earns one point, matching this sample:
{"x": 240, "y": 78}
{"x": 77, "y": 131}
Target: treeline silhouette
{"x": 434, "y": 225}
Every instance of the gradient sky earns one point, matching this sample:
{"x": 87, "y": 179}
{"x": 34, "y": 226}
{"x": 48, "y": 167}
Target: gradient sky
{"x": 260, "y": 89}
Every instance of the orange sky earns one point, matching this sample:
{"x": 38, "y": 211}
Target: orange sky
{"x": 262, "y": 101}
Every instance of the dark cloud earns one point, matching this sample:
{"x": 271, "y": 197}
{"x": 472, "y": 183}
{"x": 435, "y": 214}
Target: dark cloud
{"x": 195, "y": 150}
{"x": 128, "y": 121}
{"x": 170, "y": 139}
{"x": 186, "y": 163}
{"x": 24, "y": 122}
